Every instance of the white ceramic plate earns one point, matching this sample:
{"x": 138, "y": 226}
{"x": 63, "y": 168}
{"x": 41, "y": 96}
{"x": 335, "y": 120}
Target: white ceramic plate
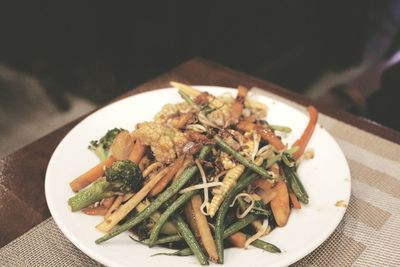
{"x": 326, "y": 179}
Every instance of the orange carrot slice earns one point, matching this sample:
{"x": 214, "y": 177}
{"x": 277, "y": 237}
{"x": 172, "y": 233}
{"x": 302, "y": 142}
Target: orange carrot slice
{"x": 91, "y": 175}
{"x": 162, "y": 184}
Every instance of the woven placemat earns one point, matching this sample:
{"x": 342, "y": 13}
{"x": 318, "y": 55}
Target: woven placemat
{"x": 368, "y": 235}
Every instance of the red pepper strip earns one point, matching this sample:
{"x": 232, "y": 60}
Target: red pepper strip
{"x": 305, "y": 137}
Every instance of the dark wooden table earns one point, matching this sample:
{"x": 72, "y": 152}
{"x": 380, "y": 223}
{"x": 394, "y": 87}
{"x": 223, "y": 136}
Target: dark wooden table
{"x": 22, "y": 199}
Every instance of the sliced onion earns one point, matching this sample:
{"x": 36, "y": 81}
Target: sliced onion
{"x": 204, "y": 179}
{"x": 256, "y": 140}
{"x": 197, "y": 128}
{"x": 200, "y": 186}
{"x": 242, "y": 215}
{"x": 257, "y": 235}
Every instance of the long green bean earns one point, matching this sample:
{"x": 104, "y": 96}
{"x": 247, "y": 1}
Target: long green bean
{"x": 265, "y": 246}
{"x": 224, "y": 146}
{"x": 162, "y": 240}
{"x": 160, "y": 200}
{"x": 294, "y": 183}
{"x": 239, "y": 225}
{"x": 182, "y": 252}
{"x": 190, "y": 239}
{"x": 155, "y": 231}
{"x": 223, "y": 209}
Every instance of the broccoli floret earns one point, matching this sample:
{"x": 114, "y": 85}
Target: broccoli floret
{"x": 102, "y": 146}
{"x": 122, "y": 177}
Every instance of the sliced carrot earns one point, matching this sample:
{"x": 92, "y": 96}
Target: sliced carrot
{"x": 280, "y": 203}
{"x": 137, "y": 152}
{"x": 100, "y": 210}
{"x": 305, "y": 137}
{"x": 187, "y": 162}
{"x": 238, "y": 239}
{"x": 295, "y": 201}
{"x": 204, "y": 229}
{"x": 91, "y": 175}
{"x": 162, "y": 184}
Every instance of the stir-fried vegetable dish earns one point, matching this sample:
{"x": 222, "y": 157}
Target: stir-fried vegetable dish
{"x": 206, "y": 174}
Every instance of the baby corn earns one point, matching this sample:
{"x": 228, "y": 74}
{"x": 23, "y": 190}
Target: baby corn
{"x": 229, "y": 182}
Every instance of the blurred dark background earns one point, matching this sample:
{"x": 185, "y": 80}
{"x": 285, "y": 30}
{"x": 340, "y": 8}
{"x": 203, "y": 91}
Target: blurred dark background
{"x": 60, "y": 59}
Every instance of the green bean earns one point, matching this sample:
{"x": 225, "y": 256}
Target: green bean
{"x": 294, "y": 183}
{"x": 155, "y": 231}
{"x": 190, "y": 239}
{"x": 265, "y": 246}
{"x": 256, "y": 243}
{"x": 182, "y": 252}
{"x": 162, "y": 240}
{"x": 224, "y": 146}
{"x": 172, "y": 190}
{"x": 223, "y": 209}
{"x": 239, "y": 225}
{"x": 280, "y": 128}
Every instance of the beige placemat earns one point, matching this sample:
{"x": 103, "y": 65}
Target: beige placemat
{"x": 369, "y": 234}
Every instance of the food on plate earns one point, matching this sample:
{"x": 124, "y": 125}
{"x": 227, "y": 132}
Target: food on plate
{"x": 207, "y": 173}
